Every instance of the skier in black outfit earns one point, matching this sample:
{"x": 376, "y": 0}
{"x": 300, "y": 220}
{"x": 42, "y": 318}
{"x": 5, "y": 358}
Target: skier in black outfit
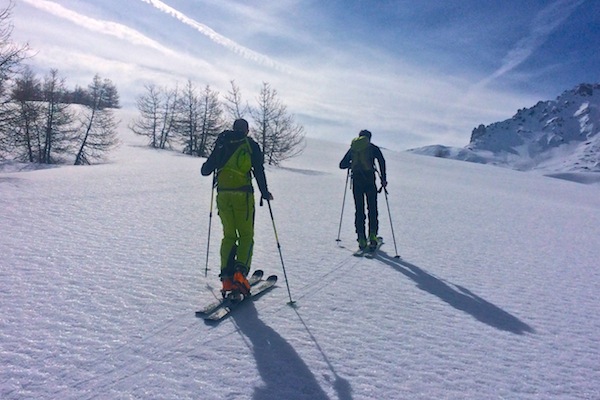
{"x": 361, "y": 161}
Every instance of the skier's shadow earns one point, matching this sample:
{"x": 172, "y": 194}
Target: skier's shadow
{"x": 341, "y": 385}
{"x": 461, "y": 299}
{"x": 284, "y": 373}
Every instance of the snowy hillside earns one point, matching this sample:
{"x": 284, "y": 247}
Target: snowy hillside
{"x": 495, "y": 295}
{"x": 555, "y": 136}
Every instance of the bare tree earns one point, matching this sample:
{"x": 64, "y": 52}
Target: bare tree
{"x": 27, "y": 114}
{"x": 189, "y": 111}
{"x": 11, "y": 54}
{"x": 98, "y": 125}
{"x": 233, "y": 102}
{"x": 264, "y": 114}
{"x": 211, "y": 120}
{"x": 110, "y": 97}
{"x": 148, "y": 106}
{"x": 287, "y": 139}
{"x": 201, "y": 119}
{"x": 57, "y": 134}
{"x": 157, "y": 120}
{"x": 168, "y": 117}
{"x": 11, "y": 57}
{"x": 277, "y": 133}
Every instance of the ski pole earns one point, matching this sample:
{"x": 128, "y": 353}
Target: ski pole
{"x": 291, "y": 302}
{"x": 387, "y": 202}
{"x": 391, "y": 224}
{"x": 212, "y": 195}
{"x": 343, "y": 204}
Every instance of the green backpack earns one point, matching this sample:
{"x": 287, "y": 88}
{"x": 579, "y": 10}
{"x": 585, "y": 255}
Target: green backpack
{"x": 236, "y": 171}
{"x": 361, "y": 154}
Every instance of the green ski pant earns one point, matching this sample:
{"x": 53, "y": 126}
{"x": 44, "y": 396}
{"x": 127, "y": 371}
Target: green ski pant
{"x": 236, "y": 210}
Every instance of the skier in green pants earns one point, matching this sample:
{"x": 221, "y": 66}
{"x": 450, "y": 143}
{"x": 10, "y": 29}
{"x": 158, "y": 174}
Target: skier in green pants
{"x": 235, "y": 158}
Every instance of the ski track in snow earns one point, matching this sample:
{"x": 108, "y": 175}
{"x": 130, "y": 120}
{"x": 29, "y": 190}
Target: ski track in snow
{"x": 495, "y": 295}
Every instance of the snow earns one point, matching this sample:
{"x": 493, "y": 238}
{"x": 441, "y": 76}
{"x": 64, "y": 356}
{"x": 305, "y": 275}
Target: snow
{"x": 558, "y": 137}
{"x": 495, "y": 295}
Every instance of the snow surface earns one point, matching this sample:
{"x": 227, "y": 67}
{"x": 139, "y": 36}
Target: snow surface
{"x": 495, "y": 295}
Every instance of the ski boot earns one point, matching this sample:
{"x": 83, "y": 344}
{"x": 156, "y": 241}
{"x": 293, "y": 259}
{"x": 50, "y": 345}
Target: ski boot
{"x": 240, "y": 282}
{"x": 227, "y": 274}
{"x": 362, "y": 244}
{"x": 373, "y": 242}
{"x": 228, "y": 286}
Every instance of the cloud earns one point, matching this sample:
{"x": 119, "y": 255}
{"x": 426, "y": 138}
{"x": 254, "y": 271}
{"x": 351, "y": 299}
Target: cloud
{"x": 105, "y": 27}
{"x": 126, "y": 58}
{"x": 216, "y": 37}
{"x": 490, "y": 105}
{"x": 546, "y": 22}
{"x": 336, "y": 83}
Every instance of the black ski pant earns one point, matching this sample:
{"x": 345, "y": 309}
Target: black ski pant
{"x": 362, "y": 191}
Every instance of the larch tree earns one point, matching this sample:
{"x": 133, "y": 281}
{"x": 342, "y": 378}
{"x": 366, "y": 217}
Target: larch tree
{"x": 211, "y": 120}
{"x": 276, "y": 131}
{"x": 233, "y": 103}
{"x": 56, "y": 138}
{"x": 158, "y": 115}
{"x": 11, "y": 58}
{"x": 27, "y": 113}
{"x": 98, "y": 128}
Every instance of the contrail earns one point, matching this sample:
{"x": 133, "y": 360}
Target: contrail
{"x": 547, "y": 20}
{"x": 101, "y": 26}
{"x": 216, "y": 37}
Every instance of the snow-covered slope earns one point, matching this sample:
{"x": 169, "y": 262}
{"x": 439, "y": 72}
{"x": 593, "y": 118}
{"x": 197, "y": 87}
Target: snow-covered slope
{"x": 554, "y": 136}
{"x": 495, "y": 296}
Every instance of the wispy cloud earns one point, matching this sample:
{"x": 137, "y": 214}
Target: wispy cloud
{"x": 125, "y": 62}
{"x": 478, "y": 95}
{"x": 216, "y": 37}
{"x": 339, "y": 70}
{"x": 101, "y": 26}
{"x": 547, "y": 21}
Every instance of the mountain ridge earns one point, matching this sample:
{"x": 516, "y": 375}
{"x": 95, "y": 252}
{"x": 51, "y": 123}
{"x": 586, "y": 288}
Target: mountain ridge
{"x": 553, "y": 136}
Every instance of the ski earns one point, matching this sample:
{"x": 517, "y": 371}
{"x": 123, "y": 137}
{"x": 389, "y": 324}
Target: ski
{"x": 368, "y": 253}
{"x": 359, "y": 252}
{"x": 212, "y": 307}
{"x": 372, "y": 253}
{"x": 229, "y": 305}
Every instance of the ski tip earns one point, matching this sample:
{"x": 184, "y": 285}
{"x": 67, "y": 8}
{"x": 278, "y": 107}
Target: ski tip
{"x": 258, "y": 273}
{"x": 201, "y": 314}
{"x": 272, "y": 278}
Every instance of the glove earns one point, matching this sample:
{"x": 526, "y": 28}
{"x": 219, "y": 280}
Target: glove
{"x": 267, "y": 196}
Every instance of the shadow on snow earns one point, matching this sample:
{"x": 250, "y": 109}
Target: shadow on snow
{"x": 341, "y": 385}
{"x": 461, "y": 299}
{"x": 284, "y": 373}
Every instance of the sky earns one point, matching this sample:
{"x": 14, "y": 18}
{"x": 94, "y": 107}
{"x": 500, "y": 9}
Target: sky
{"x": 494, "y": 294}
{"x": 414, "y": 73}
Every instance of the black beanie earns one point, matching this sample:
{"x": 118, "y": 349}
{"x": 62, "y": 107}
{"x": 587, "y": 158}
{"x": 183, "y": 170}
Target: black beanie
{"x": 240, "y": 125}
